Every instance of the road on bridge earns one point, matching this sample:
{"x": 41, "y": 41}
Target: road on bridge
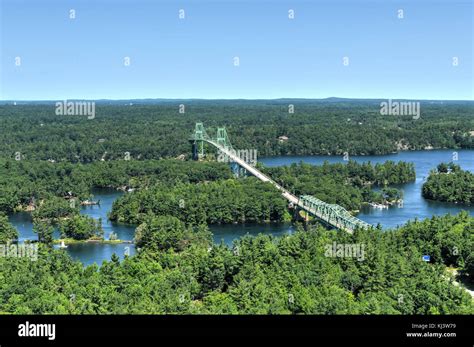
{"x": 286, "y": 194}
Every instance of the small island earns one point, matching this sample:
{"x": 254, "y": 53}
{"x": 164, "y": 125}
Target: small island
{"x": 449, "y": 183}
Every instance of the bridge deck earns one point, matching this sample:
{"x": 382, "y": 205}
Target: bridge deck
{"x": 339, "y": 223}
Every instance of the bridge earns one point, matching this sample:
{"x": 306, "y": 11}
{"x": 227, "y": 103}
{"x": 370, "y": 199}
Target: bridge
{"x": 331, "y": 214}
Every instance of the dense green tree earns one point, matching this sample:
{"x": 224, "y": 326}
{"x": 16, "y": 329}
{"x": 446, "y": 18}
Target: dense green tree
{"x": 81, "y": 227}
{"x": 442, "y": 168}
{"x": 449, "y": 183}
{"x": 178, "y": 274}
{"x": 8, "y": 232}
{"x": 51, "y": 164}
{"x": 54, "y": 208}
{"x": 348, "y": 185}
{"x": 45, "y": 231}
{"x": 28, "y": 183}
{"x": 158, "y": 131}
{"x": 161, "y": 233}
{"x": 246, "y": 200}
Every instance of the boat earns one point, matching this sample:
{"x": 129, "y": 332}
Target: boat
{"x": 90, "y": 203}
{"x": 379, "y": 206}
{"x": 62, "y": 245}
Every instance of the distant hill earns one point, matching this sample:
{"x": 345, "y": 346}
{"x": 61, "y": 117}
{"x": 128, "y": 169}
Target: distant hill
{"x": 330, "y": 100}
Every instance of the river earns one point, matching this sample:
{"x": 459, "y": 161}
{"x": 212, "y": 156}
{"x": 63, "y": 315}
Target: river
{"x": 414, "y": 205}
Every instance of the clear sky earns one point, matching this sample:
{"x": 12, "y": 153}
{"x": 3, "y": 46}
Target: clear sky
{"x": 84, "y": 57}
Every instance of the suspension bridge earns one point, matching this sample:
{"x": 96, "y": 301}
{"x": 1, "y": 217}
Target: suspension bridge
{"x": 331, "y": 214}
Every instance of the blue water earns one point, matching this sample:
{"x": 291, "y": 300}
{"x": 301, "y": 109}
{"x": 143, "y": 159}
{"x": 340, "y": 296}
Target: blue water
{"x": 87, "y": 253}
{"x": 414, "y": 206}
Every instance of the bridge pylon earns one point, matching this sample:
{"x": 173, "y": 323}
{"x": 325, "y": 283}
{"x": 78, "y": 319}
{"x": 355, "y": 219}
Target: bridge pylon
{"x": 197, "y": 141}
{"x": 222, "y": 139}
{"x": 331, "y": 214}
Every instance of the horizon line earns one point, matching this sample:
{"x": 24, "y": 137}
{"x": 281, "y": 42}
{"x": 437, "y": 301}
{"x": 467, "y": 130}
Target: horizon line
{"x": 228, "y": 99}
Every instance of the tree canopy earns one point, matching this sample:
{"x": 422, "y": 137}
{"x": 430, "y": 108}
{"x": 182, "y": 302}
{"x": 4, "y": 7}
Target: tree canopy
{"x": 180, "y": 271}
{"x": 450, "y": 183}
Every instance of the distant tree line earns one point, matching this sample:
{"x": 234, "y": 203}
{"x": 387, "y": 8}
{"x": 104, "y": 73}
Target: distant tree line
{"x": 158, "y": 131}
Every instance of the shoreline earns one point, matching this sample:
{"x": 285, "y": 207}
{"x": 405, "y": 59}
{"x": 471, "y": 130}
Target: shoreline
{"x": 69, "y": 241}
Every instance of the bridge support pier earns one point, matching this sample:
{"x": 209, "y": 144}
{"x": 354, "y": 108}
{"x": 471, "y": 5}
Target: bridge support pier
{"x": 298, "y": 216}
{"x": 197, "y": 149}
{"x": 194, "y": 150}
{"x": 331, "y": 214}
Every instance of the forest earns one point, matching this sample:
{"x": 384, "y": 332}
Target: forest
{"x": 26, "y": 182}
{"x": 448, "y": 182}
{"x": 249, "y": 200}
{"x": 204, "y": 190}
{"x": 230, "y": 201}
{"x": 179, "y": 270}
{"x": 51, "y": 164}
{"x": 154, "y": 131}
{"x": 349, "y": 184}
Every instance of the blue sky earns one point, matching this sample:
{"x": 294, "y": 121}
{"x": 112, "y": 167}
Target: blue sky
{"x": 83, "y": 58}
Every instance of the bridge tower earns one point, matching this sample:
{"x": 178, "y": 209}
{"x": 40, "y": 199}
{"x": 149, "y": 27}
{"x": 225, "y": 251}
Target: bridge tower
{"x": 223, "y": 139}
{"x": 332, "y": 215}
{"x": 197, "y": 141}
